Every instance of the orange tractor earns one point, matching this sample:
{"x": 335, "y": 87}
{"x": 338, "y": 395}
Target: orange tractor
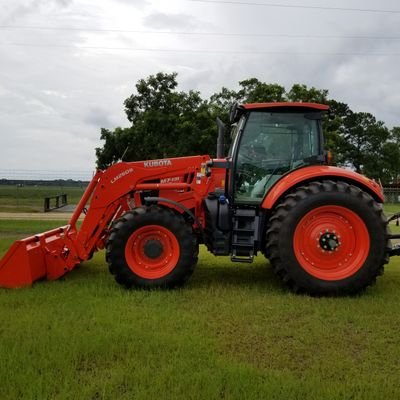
{"x": 321, "y": 227}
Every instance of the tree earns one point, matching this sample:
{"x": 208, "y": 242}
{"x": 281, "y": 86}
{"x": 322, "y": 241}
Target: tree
{"x": 391, "y": 157}
{"x": 365, "y": 137}
{"x": 254, "y": 91}
{"x": 303, "y": 93}
{"x": 390, "y": 163}
{"x": 116, "y": 142}
{"x": 165, "y": 123}
{"x": 334, "y": 129}
{"x": 250, "y": 91}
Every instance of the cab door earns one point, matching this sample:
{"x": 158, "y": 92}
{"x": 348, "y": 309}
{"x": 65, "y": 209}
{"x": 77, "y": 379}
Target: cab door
{"x": 270, "y": 145}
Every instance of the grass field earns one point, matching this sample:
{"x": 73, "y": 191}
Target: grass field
{"x": 31, "y": 198}
{"x": 233, "y": 332}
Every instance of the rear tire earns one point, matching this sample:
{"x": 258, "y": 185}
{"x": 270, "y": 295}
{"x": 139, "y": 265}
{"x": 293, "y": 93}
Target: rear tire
{"x": 151, "y": 247}
{"x": 328, "y": 238}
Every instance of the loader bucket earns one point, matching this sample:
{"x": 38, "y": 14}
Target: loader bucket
{"x": 36, "y": 257}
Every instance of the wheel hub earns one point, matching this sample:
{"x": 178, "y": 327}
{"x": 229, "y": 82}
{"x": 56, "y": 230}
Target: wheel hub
{"x": 153, "y": 249}
{"x": 329, "y": 241}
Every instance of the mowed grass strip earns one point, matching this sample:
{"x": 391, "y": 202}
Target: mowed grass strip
{"x": 234, "y": 332}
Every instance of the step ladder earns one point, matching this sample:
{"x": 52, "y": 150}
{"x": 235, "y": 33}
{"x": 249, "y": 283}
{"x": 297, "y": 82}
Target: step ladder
{"x": 244, "y": 235}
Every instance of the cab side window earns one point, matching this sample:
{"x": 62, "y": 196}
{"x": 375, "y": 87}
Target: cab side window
{"x": 271, "y": 145}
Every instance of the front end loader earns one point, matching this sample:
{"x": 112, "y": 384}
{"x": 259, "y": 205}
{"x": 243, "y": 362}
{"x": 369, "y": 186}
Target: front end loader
{"x": 321, "y": 227}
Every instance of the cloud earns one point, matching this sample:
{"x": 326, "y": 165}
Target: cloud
{"x": 54, "y": 100}
{"x": 62, "y": 3}
{"x": 17, "y": 11}
{"x": 174, "y": 22}
{"x": 135, "y": 3}
{"x": 99, "y": 117}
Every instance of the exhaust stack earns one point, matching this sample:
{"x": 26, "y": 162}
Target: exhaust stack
{"x": 221, "y": 139}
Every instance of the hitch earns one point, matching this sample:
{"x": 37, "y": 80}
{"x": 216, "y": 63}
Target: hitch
{"x": 395, "y": 217}
{"x": 395, "y": 250}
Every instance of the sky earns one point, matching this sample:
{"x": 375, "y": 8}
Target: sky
{"x": 66, "y": 66}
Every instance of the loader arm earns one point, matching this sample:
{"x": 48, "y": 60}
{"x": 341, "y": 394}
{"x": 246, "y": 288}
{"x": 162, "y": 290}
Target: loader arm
{"x": 110, "y": 193}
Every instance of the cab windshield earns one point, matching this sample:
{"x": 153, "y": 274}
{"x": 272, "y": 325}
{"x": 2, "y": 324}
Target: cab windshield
{"x": 271, "y": 145}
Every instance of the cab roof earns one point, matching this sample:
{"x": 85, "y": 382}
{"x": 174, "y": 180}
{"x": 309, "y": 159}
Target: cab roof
{"x": 266, "y": 106}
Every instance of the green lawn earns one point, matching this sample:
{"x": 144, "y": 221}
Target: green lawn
{"x": 31, "y": 198}
{"x": 234, "y": 332}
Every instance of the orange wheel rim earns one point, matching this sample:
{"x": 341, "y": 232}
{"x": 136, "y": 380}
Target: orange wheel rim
{"x": 331, "y": 243}
{"x": 152, "y": 252}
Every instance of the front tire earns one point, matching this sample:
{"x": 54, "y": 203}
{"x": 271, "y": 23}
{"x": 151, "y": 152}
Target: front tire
{"x": 151, "y": 247}
{"x": 328, "y": 238}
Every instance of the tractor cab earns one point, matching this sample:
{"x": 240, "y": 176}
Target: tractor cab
{"x": 268, "y": 141}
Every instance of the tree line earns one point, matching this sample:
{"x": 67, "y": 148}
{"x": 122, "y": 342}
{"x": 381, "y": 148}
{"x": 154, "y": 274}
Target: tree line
{"x": 165, "y": 122}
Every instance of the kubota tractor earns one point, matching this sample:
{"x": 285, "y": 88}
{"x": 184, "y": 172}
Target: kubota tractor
{"x": 321, "y": 227}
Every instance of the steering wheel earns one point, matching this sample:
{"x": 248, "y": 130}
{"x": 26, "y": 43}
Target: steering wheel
{"x": 251, "y": 173}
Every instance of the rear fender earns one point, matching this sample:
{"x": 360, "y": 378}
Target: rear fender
{"x": 320, "y": 172}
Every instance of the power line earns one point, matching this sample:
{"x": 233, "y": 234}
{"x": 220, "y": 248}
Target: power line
{"x": 194, "y": 51}
{"x": 248, "y": 3}
{"x": 229, "y": 34}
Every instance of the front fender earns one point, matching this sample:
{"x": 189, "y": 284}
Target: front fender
{"x": 319, "y": 172}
